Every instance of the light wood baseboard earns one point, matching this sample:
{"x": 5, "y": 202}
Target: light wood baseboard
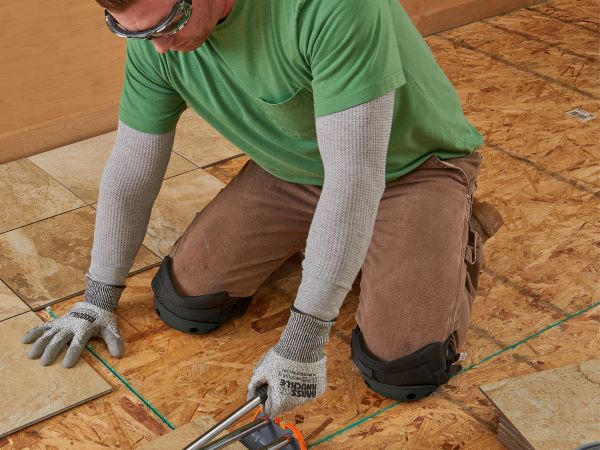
{"x": 435, "y": 16}
{"x": 55, "y": 133}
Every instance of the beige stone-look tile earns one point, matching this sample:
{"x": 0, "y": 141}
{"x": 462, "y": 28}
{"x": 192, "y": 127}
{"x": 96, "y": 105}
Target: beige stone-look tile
{"x": 79, "y": 166}
{"x": 47, "y": 261}
{"x": 199, "y": 142}
{"x": 554, "y": 409}
{"x": 185, "y": 435}
{"x": 30, "y": 393}
{"x": 28, "y": 194}
{"x": 10, "y": 304}
{"x": 179, "y": 200}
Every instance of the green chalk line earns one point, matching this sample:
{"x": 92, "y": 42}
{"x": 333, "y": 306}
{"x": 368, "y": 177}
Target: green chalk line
{"x": 534, "y": 335}
{"x": 363, "y": 419}
{"x": 466, "y": 369}
{"x": 121, "y": 379}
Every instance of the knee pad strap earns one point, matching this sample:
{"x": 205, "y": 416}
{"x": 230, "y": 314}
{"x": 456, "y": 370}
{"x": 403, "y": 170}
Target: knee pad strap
{"x": 195, "y": 315}
{"x": 411, "y": 377}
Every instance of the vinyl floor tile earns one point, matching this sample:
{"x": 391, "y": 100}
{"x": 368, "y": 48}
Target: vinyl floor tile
{"x": 47, "y": 261}
{"x": 200, "y": 143}
{"x": 79, "y": 166}
{"x": 179, "y": 200}
{"x": 31, "y": 393}
{"x": 28, "y": 194}
{"x": 553, "y": 409}
{"x": 10, "y": 304}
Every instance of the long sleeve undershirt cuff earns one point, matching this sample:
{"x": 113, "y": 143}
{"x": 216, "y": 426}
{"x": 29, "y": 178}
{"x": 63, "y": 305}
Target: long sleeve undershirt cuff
{"x": 319, "y": 298}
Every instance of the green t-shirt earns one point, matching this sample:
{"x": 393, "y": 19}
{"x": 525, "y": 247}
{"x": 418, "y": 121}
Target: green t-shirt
{"x": 272, "y": 66}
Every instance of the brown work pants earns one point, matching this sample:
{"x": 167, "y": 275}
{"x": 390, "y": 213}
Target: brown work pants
{"x": 420, "y": 274}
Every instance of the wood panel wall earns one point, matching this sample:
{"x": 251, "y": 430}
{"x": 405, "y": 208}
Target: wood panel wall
{"x": 62, "y": 70}
{"x": 61, "y": 75}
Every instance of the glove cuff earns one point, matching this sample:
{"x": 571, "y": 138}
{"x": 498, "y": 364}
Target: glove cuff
{"x": 304, "y": 338}
{"x": 102, "y": 295}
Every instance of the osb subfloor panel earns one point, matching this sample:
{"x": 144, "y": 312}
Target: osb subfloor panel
{"x": 541, "y": 170}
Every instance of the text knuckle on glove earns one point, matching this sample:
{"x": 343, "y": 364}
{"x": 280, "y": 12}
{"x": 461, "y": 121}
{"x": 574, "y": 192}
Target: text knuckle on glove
{"x": 298, "y": 389}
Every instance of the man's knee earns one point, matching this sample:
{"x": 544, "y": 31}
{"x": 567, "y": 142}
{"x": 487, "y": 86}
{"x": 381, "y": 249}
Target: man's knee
{"x": 410, "y": 377}
{"x": 197, "y": 314}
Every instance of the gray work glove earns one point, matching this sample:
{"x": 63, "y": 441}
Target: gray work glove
{"x": 295, "y": 370}
{"x": 91, "y": 318}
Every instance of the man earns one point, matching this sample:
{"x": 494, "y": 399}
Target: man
{"x": 360, "y": 156}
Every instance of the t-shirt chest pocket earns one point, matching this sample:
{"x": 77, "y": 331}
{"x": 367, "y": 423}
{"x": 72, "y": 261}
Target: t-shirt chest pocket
{"x": 294, "y": 116}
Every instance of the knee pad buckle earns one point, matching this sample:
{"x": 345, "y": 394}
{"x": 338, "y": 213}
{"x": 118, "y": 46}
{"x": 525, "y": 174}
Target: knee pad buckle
{"x": 195, "y": 315}
{"x": 411, "y": 377}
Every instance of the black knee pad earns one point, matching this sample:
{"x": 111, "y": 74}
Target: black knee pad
{"x": 411, "y": 377}
{"x": 194, "y": 315}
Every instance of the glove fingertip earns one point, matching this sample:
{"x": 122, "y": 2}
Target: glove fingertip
{"x": 69, "y": 362}
{"x": 32, "y": 335}
{"x": 46, "y": 361}
{"x": 72, "y": 356}
{"x": 117, "y": 351}
{"x": 117, "y": 347}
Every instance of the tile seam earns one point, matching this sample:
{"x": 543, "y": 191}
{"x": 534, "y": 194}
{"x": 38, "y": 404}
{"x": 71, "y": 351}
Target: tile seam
{"x": 184, "y": 158}
{"x": 85, "y": 205}
{"x": 58, "y": 181}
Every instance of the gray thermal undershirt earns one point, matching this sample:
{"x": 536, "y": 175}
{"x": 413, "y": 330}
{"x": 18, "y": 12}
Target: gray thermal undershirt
{"x": 353, "y": 145}
{"x": 129, "y": 185}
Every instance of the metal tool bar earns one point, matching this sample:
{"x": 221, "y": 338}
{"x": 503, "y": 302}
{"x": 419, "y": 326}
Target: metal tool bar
{"x": 278, "y": 443}
{"x": 221, "y": 426}
{"x": 238, "y": 434}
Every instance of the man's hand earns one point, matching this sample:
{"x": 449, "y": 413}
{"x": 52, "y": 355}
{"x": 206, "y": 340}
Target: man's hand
{"x": 295, "y": 370}
{"x": 92, "y": 318}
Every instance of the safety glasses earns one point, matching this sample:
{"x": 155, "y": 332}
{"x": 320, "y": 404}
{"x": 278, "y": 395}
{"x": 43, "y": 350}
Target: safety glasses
{"x": 174, "y": 22}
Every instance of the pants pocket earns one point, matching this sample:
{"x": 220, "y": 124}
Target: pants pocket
{"x": 473, "y": 261}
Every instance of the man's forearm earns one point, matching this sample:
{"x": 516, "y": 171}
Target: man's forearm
{"x": 130, "y": 183}
{"x": 353, "y": 144}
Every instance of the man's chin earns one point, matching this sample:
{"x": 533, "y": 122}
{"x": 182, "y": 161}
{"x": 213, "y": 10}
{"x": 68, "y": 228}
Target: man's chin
{"x": 186, "y": 48}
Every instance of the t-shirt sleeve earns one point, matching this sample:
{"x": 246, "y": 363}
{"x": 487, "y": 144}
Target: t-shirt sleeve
{"x": 148, "y": 102}
{"x": 352, "y": 49}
